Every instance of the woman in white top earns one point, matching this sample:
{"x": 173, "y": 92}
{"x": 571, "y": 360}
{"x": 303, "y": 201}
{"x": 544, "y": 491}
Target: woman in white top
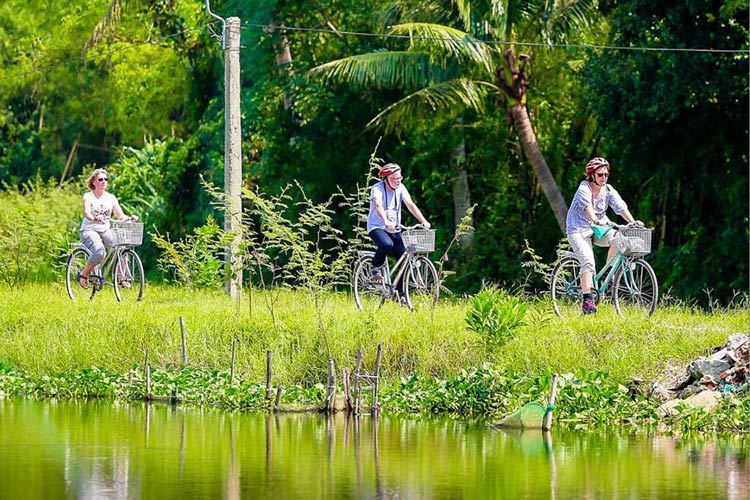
{"x": 98, "y": 208}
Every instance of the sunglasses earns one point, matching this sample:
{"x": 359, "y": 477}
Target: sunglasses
{"x": 102, "y": 179}
{"x": 603, "y": 174}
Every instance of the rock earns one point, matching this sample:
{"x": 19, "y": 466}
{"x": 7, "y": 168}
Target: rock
{"x": 712, "y": 367}
{"x": 681, "y": 383}
{"x": 661, "y": 393}
{"x": 668, "y": 408}
{"x": 720, "y": 354}
{"x": 736, "y": 340}
{"x": 690, "y": 390}
{"x": 708, "y": 400}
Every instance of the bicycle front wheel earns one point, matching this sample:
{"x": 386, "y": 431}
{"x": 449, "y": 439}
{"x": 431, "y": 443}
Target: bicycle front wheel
{"x": 369, "y": 293}
{"x": 127, "y": 276}
{"x": 76, "y": 262}
{"x": 635, "y": 287}
{"x": 422, "y": 285}
{"x": 566, "y": 287}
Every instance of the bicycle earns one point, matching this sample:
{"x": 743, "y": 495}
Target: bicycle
{"x": 421, "y": 288}
{"x": 633, "y": 280}
{"x": 121, "y": 263}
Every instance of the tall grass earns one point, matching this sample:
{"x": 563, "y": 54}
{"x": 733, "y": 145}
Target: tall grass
{"x": 43, "y": 332}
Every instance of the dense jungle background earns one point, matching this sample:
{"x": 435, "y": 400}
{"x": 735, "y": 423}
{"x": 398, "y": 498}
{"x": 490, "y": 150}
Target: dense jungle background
{"x": 489, "y": 104}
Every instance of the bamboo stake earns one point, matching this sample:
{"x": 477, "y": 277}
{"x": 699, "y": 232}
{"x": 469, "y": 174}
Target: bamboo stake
{"x": 148, "y": 382}
{"x": 376, "y": 380}
{"x": 184, "y": 342}
{"x": 347, "y": 395}
{"x": 278, "y": 397}
{"x": 330, "y": 389}
{"x": 547, "y": 425}
{"x": 231, "y": 364}
{"x": 269, "y": 372}
{"x": 356, "y": 381}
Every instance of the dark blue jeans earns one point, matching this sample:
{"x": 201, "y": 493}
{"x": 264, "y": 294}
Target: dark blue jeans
{"x": 388, "y": 244}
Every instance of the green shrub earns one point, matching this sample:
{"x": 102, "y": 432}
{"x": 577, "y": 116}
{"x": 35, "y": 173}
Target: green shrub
{"x": 195, "y": 261}
{"x": 494, "y": 314}
{"x": 37, "y": 222}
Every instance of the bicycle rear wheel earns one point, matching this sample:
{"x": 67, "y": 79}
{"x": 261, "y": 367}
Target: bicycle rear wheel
{"x": 635, "y": 287}
{"x": 127, "y": 276}
{"x": 566, "y": 287}
{"x": 369, "y": 294}
{"x": 76, "y": 262}
{"x": 422, "y": 285}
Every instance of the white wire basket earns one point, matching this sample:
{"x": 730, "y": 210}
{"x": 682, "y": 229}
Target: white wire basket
{"x": 127, "y": 233}
{"x": 634, "y": 241}
{"x": 419, "y": 240}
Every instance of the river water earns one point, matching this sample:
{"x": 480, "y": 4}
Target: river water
{"x": 109, "y": 450}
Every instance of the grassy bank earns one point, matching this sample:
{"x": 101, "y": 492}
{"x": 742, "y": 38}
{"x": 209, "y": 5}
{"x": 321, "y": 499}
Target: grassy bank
{"x": 43, "y": 333}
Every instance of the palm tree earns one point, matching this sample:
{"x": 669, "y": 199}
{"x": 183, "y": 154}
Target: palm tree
{"x": 462, "y": 58}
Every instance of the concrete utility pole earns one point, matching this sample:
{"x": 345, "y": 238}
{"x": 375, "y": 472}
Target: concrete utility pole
{"x": 233, "y": 153}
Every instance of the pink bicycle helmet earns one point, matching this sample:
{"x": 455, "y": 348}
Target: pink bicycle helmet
{"x": 389, "y": 169}
{"x": 595, "y": 164}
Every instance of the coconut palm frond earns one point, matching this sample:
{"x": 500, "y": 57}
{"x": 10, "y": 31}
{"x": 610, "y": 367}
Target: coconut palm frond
{"x": 463, "y": 7}
{"x": 551, "y": 20}
{"x": 574, "y": 17}
{"x": 445, "y": 98}
{"x": 451, "y": 41}
{"x": 388, "y": 69}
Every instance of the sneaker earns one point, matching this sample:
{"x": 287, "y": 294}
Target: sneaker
{"x": 376, "y": 274}
{"x": 403, "y": 302}
{"x": 588, "y": 307}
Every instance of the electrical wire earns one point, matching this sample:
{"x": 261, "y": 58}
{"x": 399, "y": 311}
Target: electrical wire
{"x": 494, "y": 42}
{"x": 47, "y": 68}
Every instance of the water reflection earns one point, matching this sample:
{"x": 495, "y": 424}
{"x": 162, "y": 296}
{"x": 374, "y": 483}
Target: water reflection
{"x": 111, "y": 450}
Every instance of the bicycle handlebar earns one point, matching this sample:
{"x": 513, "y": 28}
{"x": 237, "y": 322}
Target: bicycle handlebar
{"x": 616, "y": 225}
{"x": 401, "y": 227}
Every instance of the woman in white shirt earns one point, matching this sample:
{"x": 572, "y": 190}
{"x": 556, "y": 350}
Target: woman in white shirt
{"x": 98, "y": 208}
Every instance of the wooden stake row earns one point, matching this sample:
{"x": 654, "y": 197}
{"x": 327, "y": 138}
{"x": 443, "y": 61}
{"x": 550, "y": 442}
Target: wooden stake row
{"x": 355, "y": 383}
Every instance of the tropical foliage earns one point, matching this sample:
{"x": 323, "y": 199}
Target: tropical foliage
{"x": 658, "y": 88}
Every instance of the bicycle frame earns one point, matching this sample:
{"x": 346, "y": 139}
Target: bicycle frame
{"x": 398, "y": 270}
{"x": 608, "y": 272}
{"x": 98, "y": 275}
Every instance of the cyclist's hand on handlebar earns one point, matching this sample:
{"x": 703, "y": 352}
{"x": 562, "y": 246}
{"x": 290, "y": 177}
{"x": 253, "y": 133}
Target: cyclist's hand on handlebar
{"x": 133, "y": 218}
{"x": 638, "y": 223}
{"x": 390, "y": 227}
{"x": 426, "y": 225}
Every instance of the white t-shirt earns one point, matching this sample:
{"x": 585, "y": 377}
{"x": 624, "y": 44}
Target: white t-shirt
{"x": 101, "y": 208}
{"x": 392, "y": 201}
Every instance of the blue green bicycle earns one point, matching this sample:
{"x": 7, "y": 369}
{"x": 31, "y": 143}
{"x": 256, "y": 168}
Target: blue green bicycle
{"x": 626, "y": 279}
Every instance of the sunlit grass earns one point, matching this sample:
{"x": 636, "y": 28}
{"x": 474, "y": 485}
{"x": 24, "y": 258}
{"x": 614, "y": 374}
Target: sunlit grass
{"x": 43, "y": 332}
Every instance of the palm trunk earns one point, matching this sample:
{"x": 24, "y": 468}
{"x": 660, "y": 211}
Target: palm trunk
{"x": 541, "y": 169}
{"x": 461, "y": 194}
{"x": 283, "y": 60}
{"x": 512, "y": 79}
